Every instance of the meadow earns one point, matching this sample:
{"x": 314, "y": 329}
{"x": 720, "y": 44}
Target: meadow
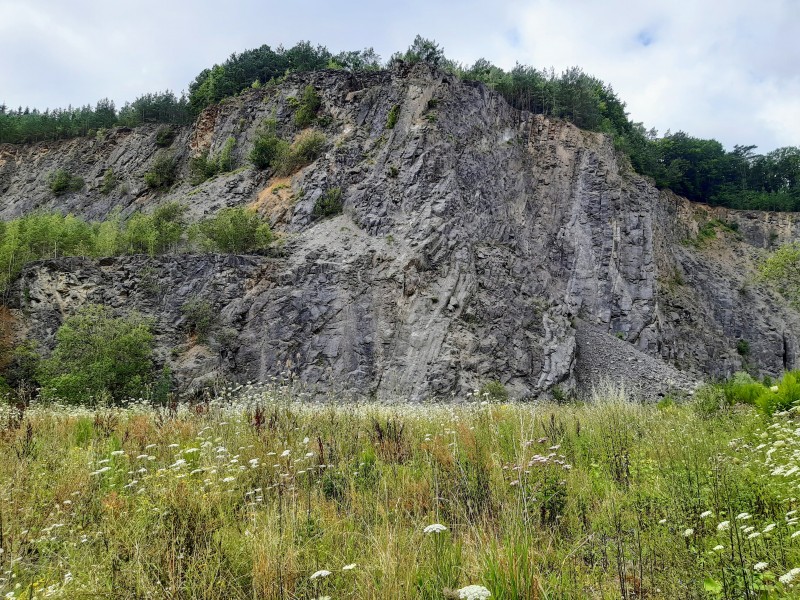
{"x": 262, "y": 493}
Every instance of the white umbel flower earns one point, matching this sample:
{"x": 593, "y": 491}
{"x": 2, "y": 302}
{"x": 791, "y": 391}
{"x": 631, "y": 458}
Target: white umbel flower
{"x": 760, "y": 566}
{"x": 474, "y": 592}
{"x": 321, "y": 574}
{"x": 435, "y": 528}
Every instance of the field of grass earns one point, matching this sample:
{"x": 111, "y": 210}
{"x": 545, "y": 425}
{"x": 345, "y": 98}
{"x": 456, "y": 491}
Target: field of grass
{"x": 261, "y": 495}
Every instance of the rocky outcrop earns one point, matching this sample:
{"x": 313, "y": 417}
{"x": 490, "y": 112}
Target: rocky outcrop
{"x": 474, "y": 240}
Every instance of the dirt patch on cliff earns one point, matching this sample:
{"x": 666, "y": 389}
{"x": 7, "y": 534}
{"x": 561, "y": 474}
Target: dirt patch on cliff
{"x": 276, "y": 201}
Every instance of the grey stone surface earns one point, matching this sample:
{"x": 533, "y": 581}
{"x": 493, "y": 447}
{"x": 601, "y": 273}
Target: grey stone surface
{"x": 473, "y": 237}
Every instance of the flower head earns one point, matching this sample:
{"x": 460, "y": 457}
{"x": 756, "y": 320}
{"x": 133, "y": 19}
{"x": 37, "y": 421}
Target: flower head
{"x": 322, "y": 573}
{"x": 349, "y": 567}
{"x": 760, "y": 566}
{"x": 723, "y": 526}
{"x": 474, "y": 592}
{"x": 688, "y": 532}
{"x": 435, "y": 528}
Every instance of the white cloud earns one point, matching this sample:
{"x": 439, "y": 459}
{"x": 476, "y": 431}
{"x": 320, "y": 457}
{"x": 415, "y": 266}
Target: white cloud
{"x": 723, "y": 69}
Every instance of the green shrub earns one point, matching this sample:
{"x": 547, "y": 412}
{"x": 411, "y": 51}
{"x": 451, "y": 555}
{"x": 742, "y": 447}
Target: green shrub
{"x": 268, "y": 148}
{"x": 109, "y": 182}
{"x": 394, "y": 114}
{"x": 62, "y": 181}
{"x": 232, "y": 230}
{"x": 200, "y": 317}
{"x": 305, "y": 149}
{"x": 165, "y": 136}
{"x": 742, "y": 389}
{"x": 155, "y": 233}
{"x": 329, "y": 204}
{"x": 307, "y": 107}
{"x": 39, "y": 236}
{"x": 494, "y": 391}
{"x": 202, "y": 167}
{"x": 99, "y": 356}
{"x": 781, "y": 397}
{"x": 163, "y": 171}
{"x": 743, "y": 347}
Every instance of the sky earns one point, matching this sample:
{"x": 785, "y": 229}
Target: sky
{"x": 723, "y": 69}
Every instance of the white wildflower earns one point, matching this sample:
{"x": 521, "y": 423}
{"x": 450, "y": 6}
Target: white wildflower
{"x": 743, "y": 516}
{"x": 769, "y": 528}
{"x": 760, "y": 566}
{"x": 795, "y": 534}
{"x": 286, "y": 453}
{"x": 100, "y": 471}
{"x": 719, "y": 547}
{"x": 787, "y": 578}
{"x": 723, "y": 526}
{"x": 435, "y": 528}
{"x": 320, "y": 574}
{"x": 349, "y": 567}
{"x": 706, "y": 513}
{"x": 688, "y": 532}
{"x": 754, "y": 535}
{"x": 773, "y": 388}
{"x": 474, "y": 592}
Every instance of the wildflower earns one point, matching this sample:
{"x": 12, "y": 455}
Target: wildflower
{"x": 754, "y": 535}
{"x": 435, "y": 528}
{"x": 743, "y": 516}
{"x": 286, "y": 453}
{"x": 320, "y": 574}
{"x": 688, "y": 532}
{"x": 760, "y": 566}
{"x": 662, "y": 522}
{"x": 795, "y": 534}
{"x": 228, "y": 479}
{"x": 349, "y": 567}
{"x": 787, "y": 578}
{"x": 724, "y": 526}
{"x": 100, "y": 471}
{"x": 773, "y": 388}
{"x": 118, "y": 453}
{"x": 474, "y": 592}
{"x": 705, "y": 514}
{"x": 719, "y": 547}
{"x": 769, "y": 528}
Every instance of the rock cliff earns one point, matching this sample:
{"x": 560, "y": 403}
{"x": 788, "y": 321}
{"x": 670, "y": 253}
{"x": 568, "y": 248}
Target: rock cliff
{"x": 477, "y": 242}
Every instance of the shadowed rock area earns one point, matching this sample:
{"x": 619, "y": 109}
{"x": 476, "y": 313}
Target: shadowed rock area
{"x": 477, "y": 243}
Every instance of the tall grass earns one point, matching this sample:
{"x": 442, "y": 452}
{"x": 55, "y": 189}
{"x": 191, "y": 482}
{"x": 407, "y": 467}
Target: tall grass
{"x": 252, "y": 494}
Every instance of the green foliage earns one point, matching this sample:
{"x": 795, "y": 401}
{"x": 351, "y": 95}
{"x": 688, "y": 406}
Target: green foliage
{"x": 62, "y": 181}
{"x": 783, "y": 396}
{"x": 199, "y": 316}
{"x": 232, "y": 230}
{"x": 262, "y": 64}
{"x": 329, "y": 204}
{"x": 162, "y": 172}
{"x": 38, "y": 236}
{"x": 743, "y": 347}
{"x": 394, "y": 114}
{"x": 152, "y": 234}
{"x": 423, "y": 50}
{"x": 493, "y": 391}
{"x": 109, "y": 182}
{"x": 306, "y": 111}
{"x": 782, "y": 269}
{"x": 268, "y": 149}
{"x": 202, "y": 167}
{"x": 165, "y": 136}
{"x": 98, "y": 357}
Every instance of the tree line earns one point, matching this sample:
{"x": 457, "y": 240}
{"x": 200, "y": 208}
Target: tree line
{"x": 699, "y": 169}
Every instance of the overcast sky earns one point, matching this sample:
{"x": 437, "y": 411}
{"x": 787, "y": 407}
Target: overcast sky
{"x": 727, "y": 69}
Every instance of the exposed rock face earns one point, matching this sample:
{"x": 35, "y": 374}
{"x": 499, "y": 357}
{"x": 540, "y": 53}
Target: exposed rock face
{"x": 474, "y": 239}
